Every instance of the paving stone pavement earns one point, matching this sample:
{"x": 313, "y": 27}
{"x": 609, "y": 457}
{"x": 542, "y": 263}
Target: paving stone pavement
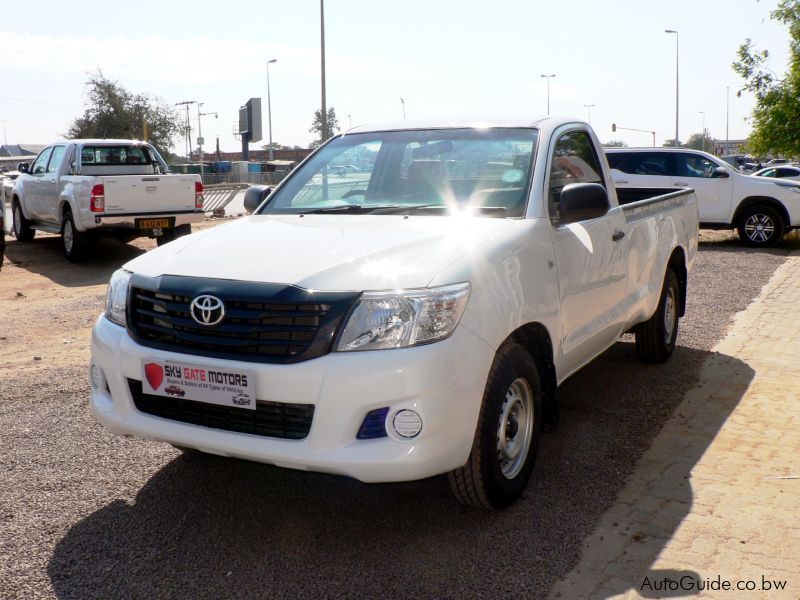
{"x": 716, "y": 498}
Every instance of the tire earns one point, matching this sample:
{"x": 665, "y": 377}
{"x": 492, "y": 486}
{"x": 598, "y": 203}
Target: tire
{"x": 761, "y": 226}
{"x": 22, "y": 227}
{"x": 496, "y": 473}
{"x": 73, "y": 242}
{"x": 656, "y": 337}
{"x": 173, "y": 234}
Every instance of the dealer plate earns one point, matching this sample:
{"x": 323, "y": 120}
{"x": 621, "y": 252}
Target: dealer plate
{"x": 153, "y": 223}
{"x": 227, "y": 387}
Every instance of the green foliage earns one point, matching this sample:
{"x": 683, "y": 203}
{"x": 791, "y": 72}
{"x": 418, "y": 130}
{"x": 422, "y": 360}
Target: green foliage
{"x": 316, "y": 127}
{"x": 114, "y": 112}
{"x": 698, "y": 141}
{"x": 776, "y": 116}
{"x": 615, "y": 144}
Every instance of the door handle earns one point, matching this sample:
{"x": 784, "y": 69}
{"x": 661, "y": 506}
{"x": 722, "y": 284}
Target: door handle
{"x": 618, "y": 235}
{"x": 681, "y": 184}
{"x": 623, "y": 181}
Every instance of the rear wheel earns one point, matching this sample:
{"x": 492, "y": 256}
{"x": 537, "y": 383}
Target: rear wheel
{"x": 656, "y": 337}
{"x": 173, "y": 234}
{"x": 504, "y": 449}
{"x": 22, "y": 227}
{"x": 761, "y": 226}
{"x": 73, "y": 242}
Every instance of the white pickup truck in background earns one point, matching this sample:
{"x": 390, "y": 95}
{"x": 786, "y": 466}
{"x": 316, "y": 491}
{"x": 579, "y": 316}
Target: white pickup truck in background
{"x": 115, "y": 188}
{"x": 411, "y": 318}
{"x": 761, "y": 209}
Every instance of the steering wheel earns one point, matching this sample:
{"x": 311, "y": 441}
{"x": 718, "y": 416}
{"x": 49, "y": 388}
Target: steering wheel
{"x": 352, "y": 193}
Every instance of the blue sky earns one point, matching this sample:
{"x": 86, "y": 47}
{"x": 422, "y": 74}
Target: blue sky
{"x": 444, "y": 57}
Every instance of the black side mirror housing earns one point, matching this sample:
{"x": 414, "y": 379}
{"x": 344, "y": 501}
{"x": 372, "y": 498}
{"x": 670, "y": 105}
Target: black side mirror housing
{"x": 582, "y": 201}
{"x": 22, "y": 167}
{"x": 721, "y": 172}
{"x": 255, "y": 195}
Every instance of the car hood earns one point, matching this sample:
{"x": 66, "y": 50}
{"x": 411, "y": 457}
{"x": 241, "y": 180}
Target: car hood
{"x": 326, "y": 252}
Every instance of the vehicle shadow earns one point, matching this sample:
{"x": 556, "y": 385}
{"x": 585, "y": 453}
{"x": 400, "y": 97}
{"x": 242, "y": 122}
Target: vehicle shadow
{"x": 44, "y": 256}
{"x": 213, "y": 527}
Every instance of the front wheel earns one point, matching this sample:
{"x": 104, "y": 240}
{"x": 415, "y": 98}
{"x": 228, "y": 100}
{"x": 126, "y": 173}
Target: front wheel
{"x": 22, "y": 227}
{"x": 507, "y": 437}
{"x": 761, "y": 226}
{"x": 656, "y": 337}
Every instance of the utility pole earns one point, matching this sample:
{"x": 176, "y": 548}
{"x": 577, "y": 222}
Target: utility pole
{"x": 187, "y": 103}
{"x": 403, "y": 102}
{"x": 727, "y": 113}
{"x": 677, "y": 95}
{"x": 200, "y": 140}
{"x": 589, "y": 108}
{"x": 548, "y": 77}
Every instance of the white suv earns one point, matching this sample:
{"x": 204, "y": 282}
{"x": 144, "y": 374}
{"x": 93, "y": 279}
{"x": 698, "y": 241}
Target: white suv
{"x": 761, "y": 209}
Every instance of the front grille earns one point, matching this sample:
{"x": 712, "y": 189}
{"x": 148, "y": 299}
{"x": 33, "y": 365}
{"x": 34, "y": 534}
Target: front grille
{"x": 263, "y": 322}
{"x": 269, "y": 419}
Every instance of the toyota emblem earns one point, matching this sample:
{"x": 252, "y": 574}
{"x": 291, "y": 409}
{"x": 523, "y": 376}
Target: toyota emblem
{"x": 207, "y": 310}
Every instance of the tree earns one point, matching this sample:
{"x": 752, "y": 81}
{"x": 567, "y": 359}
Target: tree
{"x": 699, "y": 141}
{"x": 615, "y": 144}
{"x": 776, "y": 116}
{"x": 316, "y": 127}
{"x": 671, "y": 144}
{"x": 114, "y": 112}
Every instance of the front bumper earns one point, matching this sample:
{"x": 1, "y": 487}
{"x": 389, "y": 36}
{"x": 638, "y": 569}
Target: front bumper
{"x": 442, "y": 382}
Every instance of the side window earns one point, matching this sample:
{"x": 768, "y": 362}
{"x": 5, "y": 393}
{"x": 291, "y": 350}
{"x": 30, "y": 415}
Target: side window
{"x": 642, "y": 163}
{"x": 787, "y": 173}
{"x": 40, "y": 164}
{"x": 55, "y": 159}
{"x": 574, "y": 161}
{"x": 768, "y": 173}
{"x": 694, "y": 165}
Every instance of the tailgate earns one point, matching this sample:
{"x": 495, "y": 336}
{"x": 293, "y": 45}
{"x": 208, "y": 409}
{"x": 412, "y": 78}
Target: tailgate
{"x": 149, "y": 193}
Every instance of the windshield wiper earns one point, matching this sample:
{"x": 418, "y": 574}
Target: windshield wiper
{"x": 500, "y": 210}
{"x": 344, "y": 208}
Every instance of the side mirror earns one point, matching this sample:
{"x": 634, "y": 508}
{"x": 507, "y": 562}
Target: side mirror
{"x": 22, "y": 167}
{"x": 255, "y": 195}
{"x": 721, "y": 172}
{"x": 582, "y": 201}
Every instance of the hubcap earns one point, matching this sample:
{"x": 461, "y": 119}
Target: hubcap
{"x": 759, "y": 227}
{"x": 670, "y": 315}
{"x": 515, "y": 428}
{"x": 17, "y": 221}
{"x": 69, "y": 237}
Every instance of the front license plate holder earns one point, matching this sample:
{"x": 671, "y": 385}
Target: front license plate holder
{"x": 234, "y": 388}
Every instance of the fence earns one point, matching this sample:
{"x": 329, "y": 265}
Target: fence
{"x": 268, "y": 178}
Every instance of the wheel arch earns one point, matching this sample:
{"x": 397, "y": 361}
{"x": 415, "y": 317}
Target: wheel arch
{"x": 536, "y": 339}
{"x": 677, "y": 262}
{"x": 763, "y": 200}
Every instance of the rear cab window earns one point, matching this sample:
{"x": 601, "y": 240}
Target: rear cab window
{"x": 108, "y": 156}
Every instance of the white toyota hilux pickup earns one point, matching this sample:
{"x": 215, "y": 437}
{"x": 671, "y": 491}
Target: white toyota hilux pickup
{"x": 84, "y": 189}
{"x": 411, "y": 318}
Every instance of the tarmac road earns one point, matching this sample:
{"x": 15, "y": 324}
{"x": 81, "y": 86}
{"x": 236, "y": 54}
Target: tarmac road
{"x": 84, "y": 514}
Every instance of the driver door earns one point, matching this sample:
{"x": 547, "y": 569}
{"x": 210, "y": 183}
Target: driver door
{"x": 33, "y": 184}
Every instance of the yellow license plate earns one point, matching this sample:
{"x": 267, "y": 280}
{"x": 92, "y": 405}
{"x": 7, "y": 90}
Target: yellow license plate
{"x": 152, "y": 223}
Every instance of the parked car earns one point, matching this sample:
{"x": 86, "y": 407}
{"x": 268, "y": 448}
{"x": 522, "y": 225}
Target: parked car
{"x": 761, "y": 209}
{"x": 412, "y": 324}
{"x": 781, "y": 172}
{"x": 87, "y": 188}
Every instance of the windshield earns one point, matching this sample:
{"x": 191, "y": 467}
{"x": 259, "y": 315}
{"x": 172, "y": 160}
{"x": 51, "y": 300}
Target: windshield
{"x": 420, "y": 171}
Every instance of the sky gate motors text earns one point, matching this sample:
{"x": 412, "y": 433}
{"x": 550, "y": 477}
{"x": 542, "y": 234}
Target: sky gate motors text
{"x": 221, "y": 377}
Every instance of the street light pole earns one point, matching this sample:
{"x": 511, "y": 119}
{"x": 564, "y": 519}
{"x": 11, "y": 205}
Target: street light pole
{"x": 589, "y": 108}
{"x": 548, "y": 78}
{"x": 676, "y": 82}
{"x": 403, "y": 102}
{"x": 269, "y": 108}
{"x": 200, "y": 140}
{"x": 727, "y": 112}
{"x": 324, "y": 114}
{"x": 5, "y": 139}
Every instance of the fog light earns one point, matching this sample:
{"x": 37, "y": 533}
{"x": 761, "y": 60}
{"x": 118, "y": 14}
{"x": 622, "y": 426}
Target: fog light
{"x": 407, "y": 423}
{"x": 98, "y": 378}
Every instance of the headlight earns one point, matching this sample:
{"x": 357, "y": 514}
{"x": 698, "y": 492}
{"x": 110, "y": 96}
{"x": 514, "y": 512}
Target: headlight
{"x": 383, "y": 320}
{"x": 117, "y": 296}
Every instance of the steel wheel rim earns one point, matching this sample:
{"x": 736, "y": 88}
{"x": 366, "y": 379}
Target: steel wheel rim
{"x": 17, "y": 218}
{"x": 69, "y": 237}
{"x": 670, "y": 315}
{"x": 515, "y": 428}
{"x": 759, "y": 227}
